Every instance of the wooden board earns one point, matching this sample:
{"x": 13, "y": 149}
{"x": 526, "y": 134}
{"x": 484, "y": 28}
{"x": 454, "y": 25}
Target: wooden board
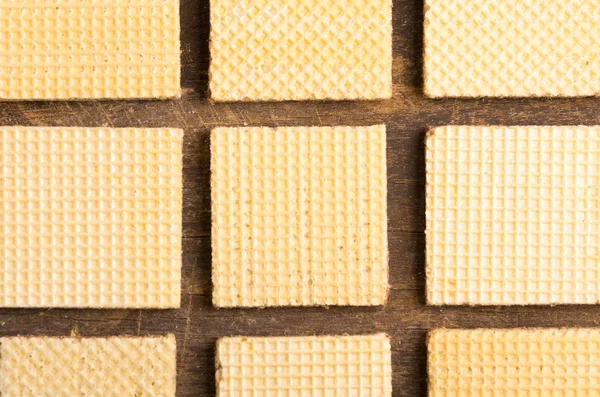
{"x": 406, "y": 318}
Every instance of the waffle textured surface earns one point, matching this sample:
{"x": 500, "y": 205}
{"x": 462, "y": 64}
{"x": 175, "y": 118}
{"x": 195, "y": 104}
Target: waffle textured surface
{"x": 90, "y": 217}
{"x": 517, "y": 48}
{"x": 336, "y": 366}
{"x": 300, "y": 49}
{"x": 513, "y": 215}
{"x": 299, "y": 216}
{"x": 516, "y": 362}
{"x": 91, "y": 367}
{"x": 76, "y": 49}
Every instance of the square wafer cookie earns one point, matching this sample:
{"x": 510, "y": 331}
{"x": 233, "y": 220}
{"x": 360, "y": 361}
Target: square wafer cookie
{"x": 516, "y": 48}
{"x": 513, "y": 215}
{"x": 299, "y": 216}
{"x": 514, "y": 362}
{"x": 305, "y": 366}
{"x": 91, "y": 367}
{"x": 300, "y": 49}
{"x": 91, "y": 217}
{"x": 76, "y": 49}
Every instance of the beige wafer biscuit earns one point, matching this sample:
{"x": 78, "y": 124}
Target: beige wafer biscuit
{"x": 300, "y": 49}
{"x": 515, "y": 362}
{"x": 75, "y": 49}
{"x": 91, "y": 217}
{"x": 92, "y": 367}
{"x": 299, "y": 216}
{"x": 305, "y": 366}
{"x": 513, "y": 215}
{"x": 518, "y": 48}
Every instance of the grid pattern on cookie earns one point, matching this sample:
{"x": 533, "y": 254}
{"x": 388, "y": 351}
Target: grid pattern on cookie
{"x": 336, "y": 366}
{"x": 299, "y": 216}
{"x": 513, "y": 215}
{"x": 515, "y": 362}
{"x": 76, "y": 49}
{"x": 92, "y": 367}
{"x": 300, "y": 49}
{"x": 512, "y": 48}
{"x": 90, "y": 217}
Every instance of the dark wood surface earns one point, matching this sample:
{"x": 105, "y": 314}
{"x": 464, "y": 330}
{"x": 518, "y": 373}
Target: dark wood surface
{"x": 406, "y": 319}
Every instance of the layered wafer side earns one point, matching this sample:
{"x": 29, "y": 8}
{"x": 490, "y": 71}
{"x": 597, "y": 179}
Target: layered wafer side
{"x": 514, "y": 362}
{"x": 513, "y": 215}
{"x": 64, "y": 49}
{"x": 299, "y": 216}
{"x": 305, "y": 366}
{"x": 300, "y": 49}
{"x": 516, "y": 48}
{"x": 107, "y": 367}
{"x": 91, "y": 217}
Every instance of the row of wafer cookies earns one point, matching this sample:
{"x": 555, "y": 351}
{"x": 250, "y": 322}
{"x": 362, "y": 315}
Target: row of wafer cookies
{"x": 479, "y": 362}
{"x": 299, "y": 216}
{"x": 297, "y": 50}
{"x": 260, "y": 50}
{"x": 512, "y": 215}
{"x": 92, "y": 216}
{"x": 357, "y": 365}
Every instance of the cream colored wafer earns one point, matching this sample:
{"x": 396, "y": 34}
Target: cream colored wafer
{"x": 513, "y": 215}
{"x": 300, "y": 49}
{"x": 91, "y": 367}
{"x": 515, "y": 362}
{"x": 305, "y": 366}
{"x": 91, "y": 217}
{"x": 299, "y": 216}
{"x": 519, "y": 48}
{"x": 76, "y": 49}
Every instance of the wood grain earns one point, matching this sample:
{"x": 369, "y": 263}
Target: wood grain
{"x": 406, "y": 319}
